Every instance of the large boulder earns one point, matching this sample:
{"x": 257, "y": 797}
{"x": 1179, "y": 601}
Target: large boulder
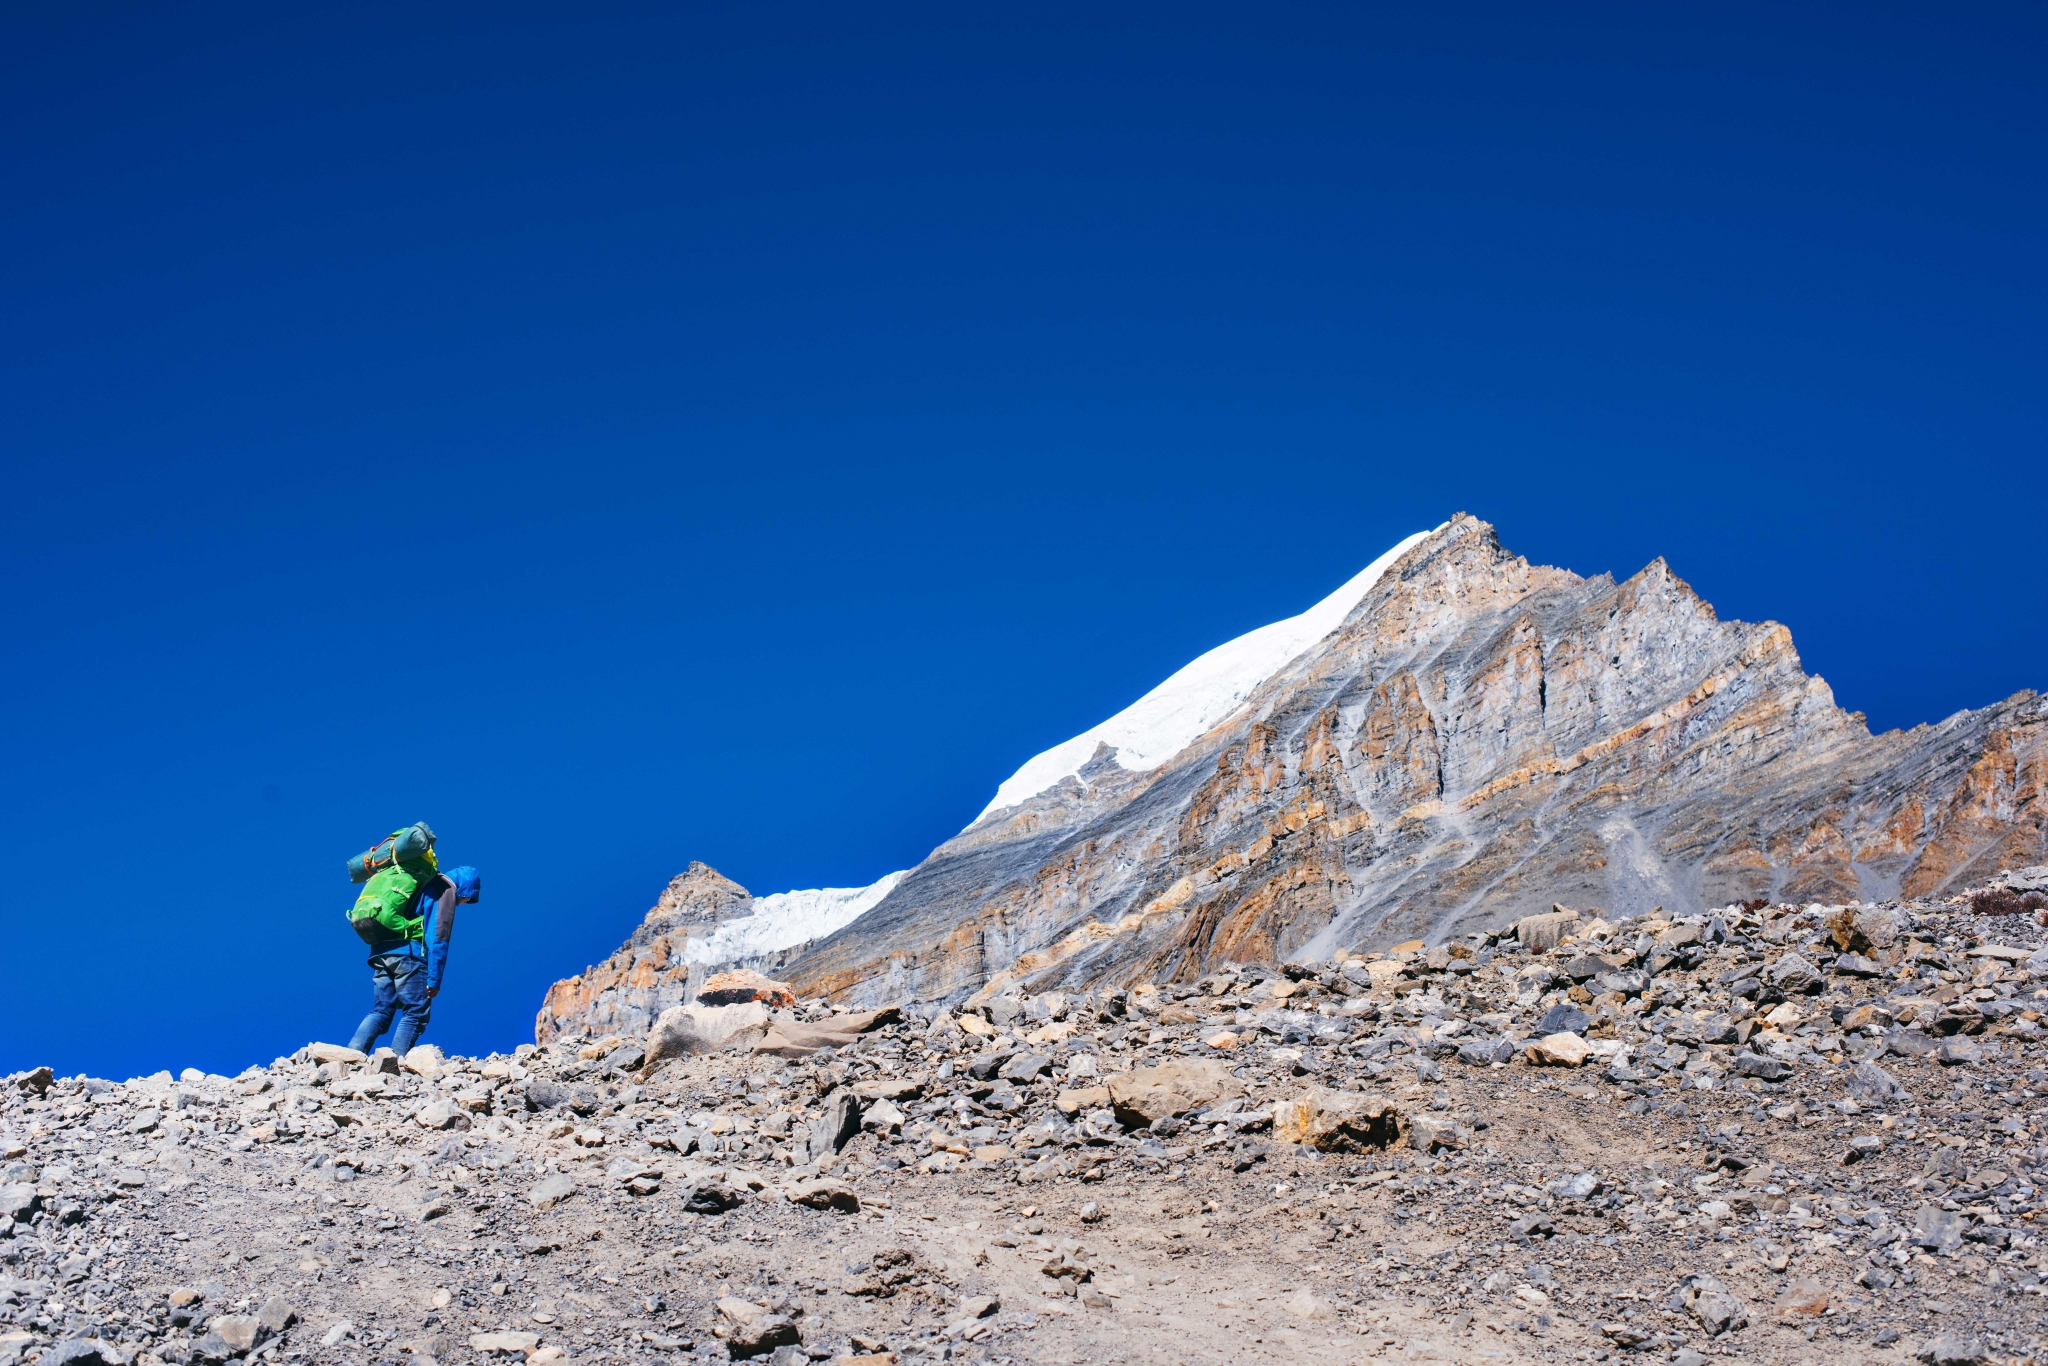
{"x": 683, "y": 1031}
{"x": 1172, "y": 1088}
{"x": 1860, "y": 929}
{"x": 1336, "y": 1121}
{"x": 1793, "y": 975}
{"x": 743, "y": 985}
{"x": 1541, "y": 933}
{"x": 789, "y": 1040}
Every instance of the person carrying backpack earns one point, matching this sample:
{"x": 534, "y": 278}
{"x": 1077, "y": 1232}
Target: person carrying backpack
{"x": 406, "y": 914}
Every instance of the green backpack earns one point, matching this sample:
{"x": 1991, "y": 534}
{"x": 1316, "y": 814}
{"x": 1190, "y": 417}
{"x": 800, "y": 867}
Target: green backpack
{"x": 392, "y": 871}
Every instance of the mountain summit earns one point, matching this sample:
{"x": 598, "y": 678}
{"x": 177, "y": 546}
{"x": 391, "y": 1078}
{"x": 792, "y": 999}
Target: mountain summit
{"x": 1454, "y": 739}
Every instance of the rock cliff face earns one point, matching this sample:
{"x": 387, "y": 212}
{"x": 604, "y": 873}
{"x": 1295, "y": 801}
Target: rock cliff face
{"x": 1477, "y": 738}
{"x": 651, "y": 971}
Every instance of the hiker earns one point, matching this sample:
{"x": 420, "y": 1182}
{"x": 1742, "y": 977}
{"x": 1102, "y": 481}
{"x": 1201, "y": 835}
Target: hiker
{"x": 405, "y": 975}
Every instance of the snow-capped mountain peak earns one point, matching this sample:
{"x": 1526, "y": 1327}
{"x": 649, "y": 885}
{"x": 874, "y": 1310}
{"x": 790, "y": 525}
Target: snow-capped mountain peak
{"x": 1203, "y": 692}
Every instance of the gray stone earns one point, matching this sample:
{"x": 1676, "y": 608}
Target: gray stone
{"x": 552, "y": 1191}
{"x": 838, "y": 1123}
{"x": 82, "y": 1352}
{"x": 1856, "y": 965}
{"x": 276, "y": 1315}
{"x": 1026, "y": 1067}
{"x": 1937, "y": 1229}
{"x": 1862, "y": 1148}
{"x": 986, "y": 1065}
{"x": 825, "y": 1192}
{"x": 542, "y": 1094}
{"x": 1713, "y": 1304}
{"x": 1944, "y": 1163}
{"x": 761, "y": 1335}
{"x": 1953, "y": 1349}
{"x": 1427, "y": 1132}
{"x": 881, "y": 1117}
{"x": 1627, "y": 983}
{"x": 241, "y": 1332}
{"x": 1910, "y": 1043}
{"x": 1958, "y": 1051}
{"x": 712, "y": 1197}
{"x": 19, "y": 1201}
{"x": 1686, "y": 1356}
{"x": 1761, "y": 1065}
{"x": 441, "y": 1114}
{"x": 1578, "y": 1186}
{"x": 1562, "y": 1019}
{"x": 1959, "y": 1017}
{"x": 1793, "y": 975}
{"x": 1871, "y": 1085}
{"x": 620, "y": 1170}
{"x": 1485, "y": 1052}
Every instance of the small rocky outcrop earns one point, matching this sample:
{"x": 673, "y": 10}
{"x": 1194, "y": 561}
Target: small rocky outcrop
{"x": 649, "y": 973}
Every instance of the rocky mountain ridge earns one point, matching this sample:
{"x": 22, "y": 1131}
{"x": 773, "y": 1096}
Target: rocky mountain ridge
{"x": 1477, "y": 738}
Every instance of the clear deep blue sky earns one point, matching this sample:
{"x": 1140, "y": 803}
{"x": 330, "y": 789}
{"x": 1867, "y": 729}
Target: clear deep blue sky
{"x": 748, "y": 433}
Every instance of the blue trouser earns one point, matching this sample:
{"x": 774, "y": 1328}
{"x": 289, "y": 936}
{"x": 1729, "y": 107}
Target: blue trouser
{"x": 400, "y": 983}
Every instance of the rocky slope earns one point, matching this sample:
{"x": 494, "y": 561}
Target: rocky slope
{"x": 1477, "y": 738}
{"x": 1771, "y": 1136}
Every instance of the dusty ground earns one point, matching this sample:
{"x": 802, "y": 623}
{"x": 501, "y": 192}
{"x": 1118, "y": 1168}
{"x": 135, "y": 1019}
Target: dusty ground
{"x": 330, "y": 1191}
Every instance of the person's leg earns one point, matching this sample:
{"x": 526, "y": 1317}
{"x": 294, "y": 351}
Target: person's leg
{"x": 383, "y": 1004}
{"x": 409, "y": 978}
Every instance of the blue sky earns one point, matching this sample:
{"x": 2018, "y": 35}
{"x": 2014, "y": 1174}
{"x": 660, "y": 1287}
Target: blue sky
{"x": 748, "y": 433}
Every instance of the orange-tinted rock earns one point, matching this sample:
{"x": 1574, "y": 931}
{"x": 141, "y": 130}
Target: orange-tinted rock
{"x": 744, "y": 984}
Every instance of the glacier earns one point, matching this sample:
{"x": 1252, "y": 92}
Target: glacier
{"x": 1165, "y": 720}
{"x": 784, "y": 919}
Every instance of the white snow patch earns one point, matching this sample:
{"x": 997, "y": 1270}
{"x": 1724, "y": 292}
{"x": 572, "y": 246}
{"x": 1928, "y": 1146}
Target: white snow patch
{"x": 1162, "y": 723}
{"x": 786, "y": 918}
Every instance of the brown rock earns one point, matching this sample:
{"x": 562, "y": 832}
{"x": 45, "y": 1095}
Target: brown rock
{"x": 1172, "y": 1088}
{"x": 1082, "y": 1098}
{"x": 1558, "y": 1050}
{"x": 734, "y": 988}
{"x": 1541, "y": 933}
{"x": 1337, "y": 1121}
{"x": 1803, "y": 1299}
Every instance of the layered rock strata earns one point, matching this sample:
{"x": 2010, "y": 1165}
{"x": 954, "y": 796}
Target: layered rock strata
{"x": 1479, "y": 738}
